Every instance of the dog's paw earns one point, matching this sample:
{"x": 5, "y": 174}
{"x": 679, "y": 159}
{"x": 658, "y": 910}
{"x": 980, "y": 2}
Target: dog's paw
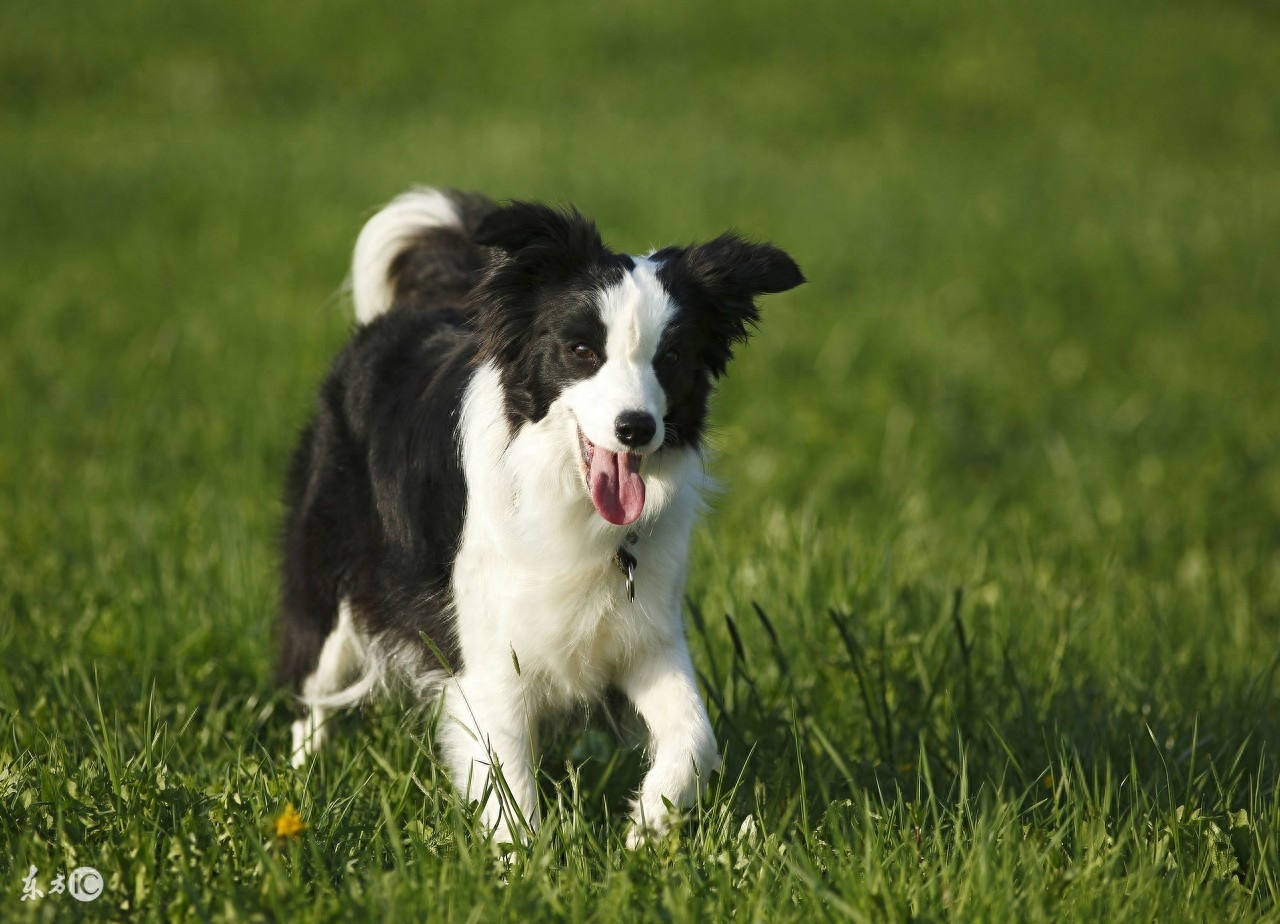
{"x": 639, "y": 835}
{"x": 307, "y": 737}
{"x": 649, "y": 827}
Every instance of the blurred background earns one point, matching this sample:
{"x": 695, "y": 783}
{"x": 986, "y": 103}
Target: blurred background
{"x": 1036, "y": 359}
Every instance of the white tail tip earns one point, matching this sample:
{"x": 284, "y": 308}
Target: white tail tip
{"x": 384, "y": 237}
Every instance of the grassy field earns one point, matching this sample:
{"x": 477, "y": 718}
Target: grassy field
{"x": 988, "y": 615}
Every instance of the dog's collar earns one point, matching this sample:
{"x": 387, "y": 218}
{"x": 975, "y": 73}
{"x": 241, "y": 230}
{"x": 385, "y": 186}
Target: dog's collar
{"x": 626, "y": 563}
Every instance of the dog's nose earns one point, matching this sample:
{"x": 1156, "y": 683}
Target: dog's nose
{"x": 635, "y": 428}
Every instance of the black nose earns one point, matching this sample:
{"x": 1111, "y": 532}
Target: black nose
{"x": 635, "y": 428}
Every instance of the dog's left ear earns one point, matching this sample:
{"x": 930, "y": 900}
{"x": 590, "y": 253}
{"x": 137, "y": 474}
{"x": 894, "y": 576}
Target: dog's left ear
{"x": 720, "y": 280}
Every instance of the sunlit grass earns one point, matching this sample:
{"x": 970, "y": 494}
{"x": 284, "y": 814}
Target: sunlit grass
{"x": 988, "y": 613}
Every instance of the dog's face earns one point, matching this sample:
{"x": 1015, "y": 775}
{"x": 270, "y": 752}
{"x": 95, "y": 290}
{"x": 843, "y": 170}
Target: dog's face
{"x": 629, "y": 347}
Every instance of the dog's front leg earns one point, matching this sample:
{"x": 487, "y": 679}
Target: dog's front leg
{"x": 681, "y": 745}
{"x": 487, "y": 737}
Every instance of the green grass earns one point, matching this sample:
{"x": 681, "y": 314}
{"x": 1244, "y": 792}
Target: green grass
{"x": 989, "y": 614}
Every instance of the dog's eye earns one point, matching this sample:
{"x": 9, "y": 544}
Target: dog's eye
{"x": 669, "y": 358}
{"x": 583, "y": 352}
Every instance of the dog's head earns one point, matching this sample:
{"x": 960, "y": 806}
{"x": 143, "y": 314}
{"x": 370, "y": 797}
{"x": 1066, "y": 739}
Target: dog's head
{"x": 628, "y": 346}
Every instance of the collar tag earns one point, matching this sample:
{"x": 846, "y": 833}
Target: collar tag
{"x": 626, "y": 563}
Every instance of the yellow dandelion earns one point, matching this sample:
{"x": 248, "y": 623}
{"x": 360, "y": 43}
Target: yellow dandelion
{"x": 289, "y": 823}
{"x": 1047, "y": 781}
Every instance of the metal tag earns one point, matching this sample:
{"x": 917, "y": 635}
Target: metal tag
{"x": 626, "y": 563}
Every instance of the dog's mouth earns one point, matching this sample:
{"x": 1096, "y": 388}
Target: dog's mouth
{"x": 613, "y": 481}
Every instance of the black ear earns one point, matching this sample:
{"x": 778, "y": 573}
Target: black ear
{"x": 719, "y": 282}
{"x": 733, "y": 266}
{"x": 536, "y": 248}
{"x": 542, "y": 238}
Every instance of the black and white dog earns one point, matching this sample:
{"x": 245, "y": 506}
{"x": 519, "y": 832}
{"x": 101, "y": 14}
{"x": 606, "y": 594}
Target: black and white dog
{"x": 506, "y": 461}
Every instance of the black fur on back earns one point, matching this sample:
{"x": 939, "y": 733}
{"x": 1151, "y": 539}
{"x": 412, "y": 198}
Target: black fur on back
{"x": 375, "y": 495}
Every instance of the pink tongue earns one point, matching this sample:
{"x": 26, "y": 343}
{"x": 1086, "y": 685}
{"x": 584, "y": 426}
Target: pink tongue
{"x": 617, "y": 489}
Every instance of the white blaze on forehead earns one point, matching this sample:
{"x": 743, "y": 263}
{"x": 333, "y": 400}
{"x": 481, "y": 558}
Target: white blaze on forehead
{"x": 635, "y": 313}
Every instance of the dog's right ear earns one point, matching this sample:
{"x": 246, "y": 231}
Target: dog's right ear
{"x": 544, "y": 242}
{"x": 534, "y": 248}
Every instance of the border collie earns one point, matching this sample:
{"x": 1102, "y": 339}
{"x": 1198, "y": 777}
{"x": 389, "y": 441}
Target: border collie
{"x": 494, "y": 497}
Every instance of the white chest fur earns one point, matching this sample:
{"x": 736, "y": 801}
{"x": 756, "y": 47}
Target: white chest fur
{"x": 535, "y": 573}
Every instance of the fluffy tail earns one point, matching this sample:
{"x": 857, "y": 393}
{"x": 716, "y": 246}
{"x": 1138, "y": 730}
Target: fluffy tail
{"x": 418, "y": 249}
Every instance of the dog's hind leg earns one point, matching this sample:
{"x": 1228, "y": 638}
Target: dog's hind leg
{"x": 326, "y": 687}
